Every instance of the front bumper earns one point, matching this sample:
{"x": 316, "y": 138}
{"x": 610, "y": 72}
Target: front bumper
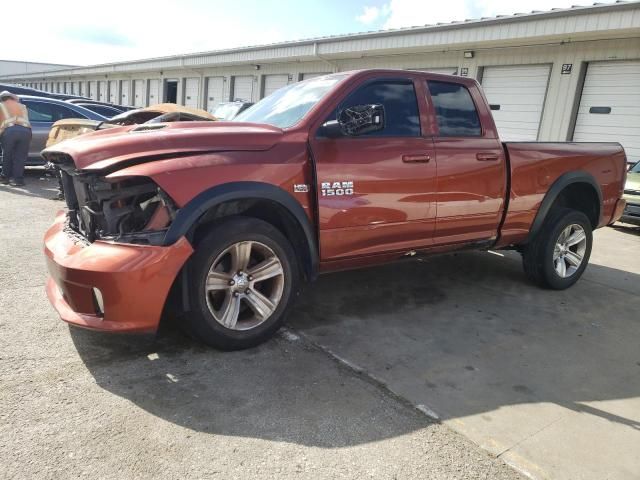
{"x": 134, "y": 280}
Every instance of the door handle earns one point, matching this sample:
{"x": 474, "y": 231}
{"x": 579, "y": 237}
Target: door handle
{"x": 416, "y": 158}
{"x": 487, "y": 157}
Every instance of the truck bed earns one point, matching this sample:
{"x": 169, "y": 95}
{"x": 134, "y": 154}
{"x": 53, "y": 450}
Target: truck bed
{"x": 535, "y": 166}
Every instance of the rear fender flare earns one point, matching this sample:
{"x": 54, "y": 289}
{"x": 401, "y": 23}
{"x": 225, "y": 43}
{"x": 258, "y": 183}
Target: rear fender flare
{"x": 554, "y": 191}
{"x": 189, "y": 215}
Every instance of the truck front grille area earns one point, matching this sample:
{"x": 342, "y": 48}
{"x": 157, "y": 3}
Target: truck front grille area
{"x": 131, "y": 210}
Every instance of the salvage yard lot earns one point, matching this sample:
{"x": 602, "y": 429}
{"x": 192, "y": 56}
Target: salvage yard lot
{"x": 545, "y": 381}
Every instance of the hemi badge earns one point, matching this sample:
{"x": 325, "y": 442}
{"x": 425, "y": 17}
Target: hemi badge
{"x": 301, "y": 188}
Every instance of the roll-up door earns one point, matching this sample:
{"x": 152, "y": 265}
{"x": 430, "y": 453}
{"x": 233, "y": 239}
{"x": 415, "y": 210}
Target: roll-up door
{"x": 273, "y": 83}
{"x": 102, "y": 91}
{"x": 191, "y": 91}
{"x": 113, "y": 91}
{"x": 139, "y": 99}
{"x": 610, "y": 106}
{"x": 516, "y": 94}
{"x": 243, "y": 88}
{"x": 154, "y": 91}
{"x": 215, "y": 92}
{"x": 125, "y": 97}
{"x": 93, "y": 90}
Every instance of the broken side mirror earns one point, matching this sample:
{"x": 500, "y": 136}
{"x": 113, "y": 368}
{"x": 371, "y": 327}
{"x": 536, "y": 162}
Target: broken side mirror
{"x": 361, "y": 119}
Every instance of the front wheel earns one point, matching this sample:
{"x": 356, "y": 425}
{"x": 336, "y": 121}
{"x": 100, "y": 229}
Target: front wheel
{"x": 557, "y": 257}
{"x": 242, "y": 279}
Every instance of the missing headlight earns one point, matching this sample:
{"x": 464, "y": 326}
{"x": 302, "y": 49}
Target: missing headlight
{"x": 132, "y": 210}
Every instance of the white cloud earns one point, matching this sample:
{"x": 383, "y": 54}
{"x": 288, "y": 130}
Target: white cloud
{"x": 409, "y": 13}
{"x": 369, "y": 15}
{"x": 128, "y": 30}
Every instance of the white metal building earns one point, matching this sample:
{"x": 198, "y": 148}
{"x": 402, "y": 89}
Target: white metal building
{"x": 564, "y": 74}
{"x": 14, "y": 67}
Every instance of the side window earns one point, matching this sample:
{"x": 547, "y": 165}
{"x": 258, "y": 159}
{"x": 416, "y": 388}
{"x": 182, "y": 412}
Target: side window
{"x": 48, "y": 112}
{"x": 38, "y": 112}
{"x": 455, "y": 110}
{"x": 400, "y": 104}
{"x": 60, "y": 113}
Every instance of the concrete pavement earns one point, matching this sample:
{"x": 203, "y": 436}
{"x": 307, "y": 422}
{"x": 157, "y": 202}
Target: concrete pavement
{"x": 548, "y": 381}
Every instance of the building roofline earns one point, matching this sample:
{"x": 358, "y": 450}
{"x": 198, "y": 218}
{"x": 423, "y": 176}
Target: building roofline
{"x": 454, "y": 25}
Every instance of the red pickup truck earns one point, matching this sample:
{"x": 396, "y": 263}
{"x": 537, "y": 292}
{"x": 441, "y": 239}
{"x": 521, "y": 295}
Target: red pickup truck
{"x": 226, "y": 220}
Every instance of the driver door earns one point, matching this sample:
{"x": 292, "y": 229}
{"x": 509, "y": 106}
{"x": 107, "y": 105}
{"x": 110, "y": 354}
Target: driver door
{"x": 376, "y": 190}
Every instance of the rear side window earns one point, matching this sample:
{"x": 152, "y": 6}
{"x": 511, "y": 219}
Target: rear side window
{"x": 400, "y": 105}
{"x": 456, "y": 113}
{"x": 48, "y": 112}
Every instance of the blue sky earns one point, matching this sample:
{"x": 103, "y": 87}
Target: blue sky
{"x": 125, "y": 30}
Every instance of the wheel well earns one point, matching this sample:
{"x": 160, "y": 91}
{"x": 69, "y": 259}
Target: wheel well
{"x": 269, "y": 211}
{"x": 582, "y": 197}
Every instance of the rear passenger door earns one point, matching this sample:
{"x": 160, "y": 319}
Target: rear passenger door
{"x": 471, "y": 185}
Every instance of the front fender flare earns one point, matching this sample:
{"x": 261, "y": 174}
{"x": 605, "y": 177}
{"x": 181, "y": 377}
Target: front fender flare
{"x": 188, "y": 215}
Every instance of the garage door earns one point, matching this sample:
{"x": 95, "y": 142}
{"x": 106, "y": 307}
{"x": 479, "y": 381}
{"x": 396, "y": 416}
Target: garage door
{"x": 191, "y": 92}
{"x": 516, "y": 95}
{"x": 93, "y": 90}
{"x": 113, "y": 91}
{"x": 243, "y": 88}
{"x": 102, "y": 91}
{"x": 125, "y": 97}
{"x": 154, "y": 91}
{"x": 215, "y": 92}
{"x": 307, "y": 76}
{"x": 610, "y": 106}
{"x": 273, "y": 83}
{"x": 139, "y": 99}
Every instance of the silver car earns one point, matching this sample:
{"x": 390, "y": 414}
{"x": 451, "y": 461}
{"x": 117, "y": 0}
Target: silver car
{"x": 43, "y": 112}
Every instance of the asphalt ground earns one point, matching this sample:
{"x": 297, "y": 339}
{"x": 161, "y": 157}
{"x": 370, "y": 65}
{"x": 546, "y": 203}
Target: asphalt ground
{"x": 81, "y": 404}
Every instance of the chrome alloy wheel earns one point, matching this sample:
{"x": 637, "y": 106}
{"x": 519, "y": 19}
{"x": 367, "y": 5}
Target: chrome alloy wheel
{"x": 569, "y": 250}
{"x": 244, "y": 285}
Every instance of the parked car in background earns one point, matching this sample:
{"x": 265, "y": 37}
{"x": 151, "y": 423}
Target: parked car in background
{"x": 225, "y": 220}
{"x": 230, "y": 110}
{"x": 632, "y": 196}
{"x": 43, "y": 113}
{"x": 142, "y": 115}
{"x": 106, "y": 110}
{"x": 122, "y": 108}
{"x": 163, "y": 112}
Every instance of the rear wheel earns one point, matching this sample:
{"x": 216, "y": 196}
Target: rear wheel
{"x": 242, "y": 279}
{"x": 557, "y": 257}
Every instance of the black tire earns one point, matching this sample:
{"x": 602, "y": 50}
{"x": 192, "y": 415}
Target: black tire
{"x": 538, "y": 255}
{"x": 224, "y": 234}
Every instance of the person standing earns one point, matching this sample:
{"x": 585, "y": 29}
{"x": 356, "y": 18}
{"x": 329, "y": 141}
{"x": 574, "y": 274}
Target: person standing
{"x": 15, "y": 137}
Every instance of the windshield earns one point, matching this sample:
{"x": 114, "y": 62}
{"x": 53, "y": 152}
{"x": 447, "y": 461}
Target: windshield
{"x": 286, "y": 107}
{"x": 635, "y": 168}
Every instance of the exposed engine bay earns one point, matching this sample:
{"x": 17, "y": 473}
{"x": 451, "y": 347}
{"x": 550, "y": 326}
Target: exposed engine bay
{"x": 130, "y": 210}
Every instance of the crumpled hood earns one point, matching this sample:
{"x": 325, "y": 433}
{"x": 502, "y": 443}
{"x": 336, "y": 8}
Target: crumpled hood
{"x": 106, "y": 148}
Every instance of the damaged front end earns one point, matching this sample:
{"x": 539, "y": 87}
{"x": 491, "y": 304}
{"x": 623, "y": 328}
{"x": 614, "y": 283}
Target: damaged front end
{"x": 130, "y": 210}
